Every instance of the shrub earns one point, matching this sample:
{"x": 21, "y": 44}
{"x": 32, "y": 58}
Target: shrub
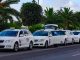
{"x": 36, "y": 27}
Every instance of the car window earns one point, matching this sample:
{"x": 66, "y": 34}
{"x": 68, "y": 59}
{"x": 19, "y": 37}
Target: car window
{"x": 21, "y": 32}
{"x": 54, "y": 33}
{"x": 76, "y": 33}
{"x": 40, "y": 33}
{"x": 26, "y": 32}
{"x": 9, "y": 33}
{"x": 57, "y": 33}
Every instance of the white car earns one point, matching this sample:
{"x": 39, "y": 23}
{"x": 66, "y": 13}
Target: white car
{"x": 42, "y": 38}
{"x": 16, "y": 39}
{"x": 47, "y": 38}
{"x": 76, "y": 36}
{"x": 61, "y": 37}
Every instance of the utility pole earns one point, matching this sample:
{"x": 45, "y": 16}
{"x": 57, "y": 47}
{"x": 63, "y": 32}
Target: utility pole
{"x": 38, "y": 1}
{"x": 33, "y": 1}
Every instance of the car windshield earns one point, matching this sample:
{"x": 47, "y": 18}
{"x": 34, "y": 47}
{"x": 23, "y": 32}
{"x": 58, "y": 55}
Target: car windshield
{"x": 55, "y": 33}
{"x": 8, "y": 33}
{"x": 76, "y": 33}
{"x": 40, "y": 33}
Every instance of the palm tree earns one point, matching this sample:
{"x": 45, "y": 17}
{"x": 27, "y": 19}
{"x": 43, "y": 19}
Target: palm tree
{"x": 50, "y": 15}
{"x": 6, "y": 12}
{"x": 66, "y": 15}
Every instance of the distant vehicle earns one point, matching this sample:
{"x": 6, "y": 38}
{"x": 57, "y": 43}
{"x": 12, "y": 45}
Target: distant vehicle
{"x": 51, "y": 26}
{"x": 16, "y": 39}
{"x": 76, "y": 36}
{"x": 61, "y": 37}
{"x": 47, "y": 38}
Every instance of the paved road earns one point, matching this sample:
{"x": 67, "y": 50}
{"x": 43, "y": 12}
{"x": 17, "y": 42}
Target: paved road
{"x": 71, "y": 52}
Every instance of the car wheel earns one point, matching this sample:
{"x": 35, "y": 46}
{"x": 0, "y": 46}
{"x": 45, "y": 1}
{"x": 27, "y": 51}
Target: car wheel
{"x": 73, "y": 41}
{"x": 30, "y": 46}
{"x": 79, "y": 41}
{"x": 16, "y": 47}
{"x": 46, "y": 44}
{"x": 65, "y": 42}
{"x": 61, "y": 43}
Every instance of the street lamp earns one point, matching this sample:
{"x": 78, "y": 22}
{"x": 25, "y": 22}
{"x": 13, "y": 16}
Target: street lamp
{"x": 38, "y": 1}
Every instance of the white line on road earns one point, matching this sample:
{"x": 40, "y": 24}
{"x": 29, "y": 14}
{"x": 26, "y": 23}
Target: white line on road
{"x": 76, "y": 54}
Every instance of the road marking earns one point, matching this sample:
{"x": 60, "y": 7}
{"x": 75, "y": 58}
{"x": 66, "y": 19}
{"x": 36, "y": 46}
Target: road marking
{"x": 38, "y": 50}
{"x": 76, "y": 54}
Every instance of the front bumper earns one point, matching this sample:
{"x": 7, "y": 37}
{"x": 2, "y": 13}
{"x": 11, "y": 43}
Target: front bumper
{"x": 39, "y": 44}
{"x": 6, "y": 46}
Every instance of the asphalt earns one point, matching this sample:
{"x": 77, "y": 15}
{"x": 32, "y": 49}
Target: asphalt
{"x": 70, "y": 52}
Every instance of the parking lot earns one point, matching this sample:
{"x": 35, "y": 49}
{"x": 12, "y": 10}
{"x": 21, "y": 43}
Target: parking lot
{"x": 69, "y": 52}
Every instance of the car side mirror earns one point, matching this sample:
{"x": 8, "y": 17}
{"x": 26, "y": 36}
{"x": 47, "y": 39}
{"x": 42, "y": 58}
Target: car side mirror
{"x": 21, "y": 35}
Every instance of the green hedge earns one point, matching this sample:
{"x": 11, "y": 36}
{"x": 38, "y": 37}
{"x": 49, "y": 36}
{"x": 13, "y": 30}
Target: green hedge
{"x": 36, "y": 27}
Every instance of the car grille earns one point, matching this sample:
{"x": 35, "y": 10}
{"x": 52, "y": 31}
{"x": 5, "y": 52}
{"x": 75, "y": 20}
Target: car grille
{"x": 1, "y": 41}
{"x": 36, "y": 44}
{"x": 1, "y": 46}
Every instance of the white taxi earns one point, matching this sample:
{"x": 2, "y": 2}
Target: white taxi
{"x": 42, "y": 38}
{"x": 76, "y": 36}
{"x": 16, "y": 39}
{"x": 61, "y": 37}
{"x": 47, "y": 38}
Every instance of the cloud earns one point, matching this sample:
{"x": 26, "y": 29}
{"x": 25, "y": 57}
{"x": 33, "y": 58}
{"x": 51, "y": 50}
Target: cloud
{"x": 56, "y": 4}
{"x": 73, "y": 5}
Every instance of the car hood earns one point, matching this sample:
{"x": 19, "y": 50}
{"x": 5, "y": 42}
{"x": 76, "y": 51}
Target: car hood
{"x": 40, "y": 37}
{"x": 6, "y": 38}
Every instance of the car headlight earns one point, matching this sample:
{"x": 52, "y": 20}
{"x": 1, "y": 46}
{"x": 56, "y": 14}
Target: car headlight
{"x": 8, "y": 41}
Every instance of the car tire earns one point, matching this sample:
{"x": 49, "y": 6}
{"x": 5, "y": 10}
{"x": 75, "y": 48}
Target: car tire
{"x": 61, "y": 43}
{"x": 16, "y": 47}
{"x": 73, "y": 41}
{"x": 79, "y": 41}
{"x": 65, "y": 42}
{"x": 46, "y": 44}
{"x": 30, "y": 46}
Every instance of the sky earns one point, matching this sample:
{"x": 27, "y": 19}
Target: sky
{"x": 55, "y": 4}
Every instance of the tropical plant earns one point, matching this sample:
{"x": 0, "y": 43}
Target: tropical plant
{"x": 66, "y": 16}
{"x": 7, "y": 13}
{"x": 31, "y": 13}
{"x": 49, "y": 15}
{"x": 36, "y": 27}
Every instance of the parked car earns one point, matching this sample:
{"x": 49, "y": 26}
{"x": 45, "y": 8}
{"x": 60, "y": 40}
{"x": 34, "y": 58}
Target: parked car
{"x": 47, "y": 38}
{"x": 61, "y": 37}
{"x": 42, "y": 38}
{"x": 76, "y": 36}
{"x": 16, "y": 39}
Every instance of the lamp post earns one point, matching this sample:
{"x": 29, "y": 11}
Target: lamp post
{"x": 38, "y": 1}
